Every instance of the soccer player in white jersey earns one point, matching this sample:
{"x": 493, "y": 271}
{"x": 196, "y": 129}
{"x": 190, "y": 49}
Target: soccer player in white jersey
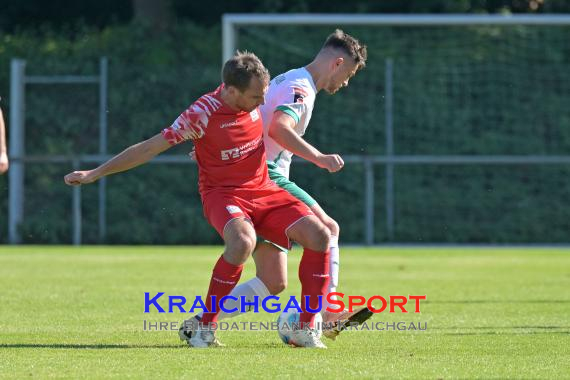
{"x": 286, "y": 114}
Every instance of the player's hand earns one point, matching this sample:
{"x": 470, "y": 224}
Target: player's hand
{"x": 192, "y": 154}
{"x": 80, "y": 178}
{"x": 332, "y": 162}
{"x": 4, "y": 164}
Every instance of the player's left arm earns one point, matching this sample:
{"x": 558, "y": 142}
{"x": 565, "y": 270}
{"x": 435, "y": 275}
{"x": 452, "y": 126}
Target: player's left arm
{"x": 281, "y": 129}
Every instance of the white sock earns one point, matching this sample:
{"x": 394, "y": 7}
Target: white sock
{"x": 253, "y": 287}
{"x": 333, "y": 269}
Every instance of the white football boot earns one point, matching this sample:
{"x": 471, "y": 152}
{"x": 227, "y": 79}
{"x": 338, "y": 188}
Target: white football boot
{"x": 308, "y": 338}
{"x": 188, "y": 328}
{"x": 198, "y": 336}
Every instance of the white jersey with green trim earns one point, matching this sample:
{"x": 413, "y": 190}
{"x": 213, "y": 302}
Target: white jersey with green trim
{"x": 294, "y": 93}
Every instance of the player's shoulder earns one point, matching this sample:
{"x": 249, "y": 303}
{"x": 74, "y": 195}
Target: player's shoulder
{"x": 201, "y": 110}
{"x": 208, "y": 104}
{"x": 295, "y": 77}
{"x": 296, "y": 82}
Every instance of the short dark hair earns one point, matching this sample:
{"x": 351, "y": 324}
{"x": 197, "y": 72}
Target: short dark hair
{"x": 349, "y": 45}
{"x": 243, "y": 66}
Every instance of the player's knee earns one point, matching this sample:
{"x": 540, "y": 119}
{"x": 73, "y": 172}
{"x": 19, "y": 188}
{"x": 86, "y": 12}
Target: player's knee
{"x": 312, "y": 234}
{"x": 276, "y": 286}
{"x": 241, "y": 246}
{"x": 247, "y": 243}
{"x": 320, "y": 238}
{"x": 333, "y": 226}
{"x": 329, "y": 223}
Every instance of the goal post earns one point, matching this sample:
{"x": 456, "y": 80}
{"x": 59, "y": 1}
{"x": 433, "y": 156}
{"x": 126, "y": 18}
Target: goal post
{"x": 447, "y": 103}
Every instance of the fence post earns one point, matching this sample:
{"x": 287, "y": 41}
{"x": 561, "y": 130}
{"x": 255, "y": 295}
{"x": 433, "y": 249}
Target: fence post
{"x": 76, "y": 208}
{"x": 389, "y": 104}
{"x": 17, "y": 149}
{"x": 369, "y": 200}
{"x": 103, "y": 88}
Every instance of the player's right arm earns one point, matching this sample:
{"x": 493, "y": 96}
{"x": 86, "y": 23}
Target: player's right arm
{"x": 281, "y": 129}
{"x": 190, "y": 125}
{"x": 131, "y": 157}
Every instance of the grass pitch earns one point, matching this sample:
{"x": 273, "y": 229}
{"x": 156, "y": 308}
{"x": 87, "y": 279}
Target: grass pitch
{"x": 490, "y": 313}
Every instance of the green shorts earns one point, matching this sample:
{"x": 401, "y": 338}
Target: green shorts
{"x": 292, "y": 188}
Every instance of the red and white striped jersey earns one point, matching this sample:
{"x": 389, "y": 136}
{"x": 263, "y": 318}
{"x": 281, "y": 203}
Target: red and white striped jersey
{"x": 229, "y": 144}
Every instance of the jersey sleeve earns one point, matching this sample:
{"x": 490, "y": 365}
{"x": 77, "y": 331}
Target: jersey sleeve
{"x": 190, "y": 125}
{"x": 291, "y": 102}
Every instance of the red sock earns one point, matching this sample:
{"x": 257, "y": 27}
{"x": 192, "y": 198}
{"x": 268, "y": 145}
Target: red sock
{"x": 314, "y": 276}
{"x": 225, "y": 276}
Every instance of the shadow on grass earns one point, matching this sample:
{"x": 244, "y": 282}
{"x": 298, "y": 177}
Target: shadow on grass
{"x": 511, "y": 333}
{"x": 499, "y": 301}
{"x": 72, "y": 346}
{"x": 500, "y": 327}
{"x": 506, "y": 330}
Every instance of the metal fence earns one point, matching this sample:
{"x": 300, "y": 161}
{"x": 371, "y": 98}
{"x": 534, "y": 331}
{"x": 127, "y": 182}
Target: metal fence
{"x": 20, "y": 80}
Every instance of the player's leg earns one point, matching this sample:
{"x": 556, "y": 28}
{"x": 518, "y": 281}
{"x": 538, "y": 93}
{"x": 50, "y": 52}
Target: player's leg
{"x": 313, "y": 274}
{"x": 270, "y": 260}
{"x": 283, "y": 218}
{"x": 228, "y": 215}
{"x": 271, "y": 266}
{"x": 271, "y": 279}
{"x": 239, "y": 238}
{"x": 310, "y": 233}
{"x": 334, "y": 230}
{"x": 333, "y": 227}
{"x": 334, "y": 323}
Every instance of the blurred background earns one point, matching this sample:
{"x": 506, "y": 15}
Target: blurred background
{"x": 454, "y": 133}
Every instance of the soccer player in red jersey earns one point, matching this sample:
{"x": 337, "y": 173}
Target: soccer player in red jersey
{"x": 238, "y": 198}
{"x": 286, "y": 114}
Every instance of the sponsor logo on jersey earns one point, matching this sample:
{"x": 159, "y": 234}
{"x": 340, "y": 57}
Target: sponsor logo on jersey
{"x": 230, "y": 153}
{"x": 234, "y": 209}
{"x": 279, "y": 79}
{"x": 300, "y": 94}
{"x": 241, "y": 150}
{"x": 254, "y": 115}
{"x": 229, "y": 124}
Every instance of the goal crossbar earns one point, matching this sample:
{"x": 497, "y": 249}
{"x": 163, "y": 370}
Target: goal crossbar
{"x": 230, "y": 21}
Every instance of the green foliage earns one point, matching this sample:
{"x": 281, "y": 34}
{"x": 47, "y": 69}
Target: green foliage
{"x": 152, "y": 79}
{"x": 457, "y": 91}
{"x": 64, "y": 14}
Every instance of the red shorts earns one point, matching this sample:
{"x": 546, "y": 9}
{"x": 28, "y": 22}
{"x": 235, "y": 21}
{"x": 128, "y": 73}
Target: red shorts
{"x": 271, "y": 210}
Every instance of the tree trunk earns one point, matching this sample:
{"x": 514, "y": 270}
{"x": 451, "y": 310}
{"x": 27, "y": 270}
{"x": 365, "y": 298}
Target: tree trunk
{"x": 156, "y": 13}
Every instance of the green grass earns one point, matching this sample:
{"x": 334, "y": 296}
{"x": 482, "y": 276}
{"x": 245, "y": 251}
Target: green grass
{"x": 490, "y": 313}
